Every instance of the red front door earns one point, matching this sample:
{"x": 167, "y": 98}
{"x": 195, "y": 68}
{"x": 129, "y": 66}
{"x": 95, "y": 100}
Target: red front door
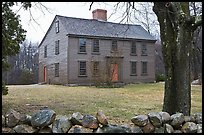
{"x": 114, "y": 72}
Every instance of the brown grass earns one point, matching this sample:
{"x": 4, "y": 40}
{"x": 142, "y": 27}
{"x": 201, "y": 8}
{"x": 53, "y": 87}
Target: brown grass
{"x": 118, "y": 104}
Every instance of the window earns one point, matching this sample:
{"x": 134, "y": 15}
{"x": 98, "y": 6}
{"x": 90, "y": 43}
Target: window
{"x": 82, "y": 68}
{"x": 95, "y": 68}
{"x": 57, "y": 26}
{"x": 95, "y": 45}
{"x": 82, "y": 45}
{"x": 57, "y": 47}
{"x": 144, "y": 67}
{"x": 133, "y": 48}
{"x": 144, "y": 49}
{"x": 114, "y": 45}
{"x": 45, "y": 52}
{"x": 133, "y": 68}
{"x": 56, "y": 69}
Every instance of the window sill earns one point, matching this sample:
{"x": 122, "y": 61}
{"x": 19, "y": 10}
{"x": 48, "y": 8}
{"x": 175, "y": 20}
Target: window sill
{"x": 82, "y": 53}
{"x": 114, "y": 51}
{"x": 95, "y": 53}
{"x": 144, "y": 74}
{"x": 133, "y": 74}
{"x": 133, "y": 54}
{"x": 82, "y": 75}
{"x": 143, "y": 54}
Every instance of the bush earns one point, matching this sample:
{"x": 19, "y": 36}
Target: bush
{"x": 160, "y": 77}
{"x": 26, "y": 77}
{"x": 4, "y": 88}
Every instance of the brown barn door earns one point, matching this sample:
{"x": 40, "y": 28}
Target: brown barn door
{"x": 114, "y": 72}
{"x": 45, "y": 74}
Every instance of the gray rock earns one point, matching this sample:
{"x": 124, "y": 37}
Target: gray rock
{"x": 148, "y": 128}
{"x": 43, "y": 118}
{"x": 168, "y": 128}
{"x": 25, "y": 119}
{"x": 189, "y": 119}
{"x": 189, "y": 127}
{"x": 45, "y": 130}
{"x": 113, "y": 129}
{"x": 136, "y": 129}
{"x": 101, "y": 118}
{"x": 177, "y": 120}
{"x": 177, "y": 131}
{"x": 79, "y": 129}
{"x": 76, "y": 118}
{"x": 24, "y": 129}
{"x": 155, "y": 119}
{"x": 12, "y": 118}
{"x": 159, "y": 130}
{"x": 198, "y": 118}
{"x": 61, "y": 125}
{"x": 3, "y": 121}
{"x": 6, "y": 130}
{"x": 199, "y": 128}
{"x": 165, "y": 116}
{"x": 140, "y": 120}
{"x": 90, "y": 121}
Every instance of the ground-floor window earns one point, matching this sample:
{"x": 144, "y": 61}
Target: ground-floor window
{"x": 133, "y": 68}
{"x": 96, "y": 68}
{"x": 144, "y": 67}
{"x": 82, "y": 68}
{"x": 56, "y": 69}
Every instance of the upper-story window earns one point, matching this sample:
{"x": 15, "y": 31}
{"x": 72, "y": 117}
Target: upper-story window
{"x": 57, "y": 47}
{"x": 45, "y": 52}
{"x": 95, "y": 45}
{"x": 114, "y": 46}
{"x": 144, "y": 49}
{"x": 57, "y": 26}
{"x": 133, "y": 48}
{"x": 82, "y": 45}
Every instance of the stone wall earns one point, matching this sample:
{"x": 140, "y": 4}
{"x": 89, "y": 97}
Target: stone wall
{"x": 47, "y": 121}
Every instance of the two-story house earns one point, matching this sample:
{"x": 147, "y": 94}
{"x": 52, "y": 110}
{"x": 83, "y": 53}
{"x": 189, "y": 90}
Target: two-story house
{"x": 76, "y": 50}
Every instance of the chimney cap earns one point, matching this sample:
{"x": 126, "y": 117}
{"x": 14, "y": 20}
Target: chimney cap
{"x": 100, "y": 14}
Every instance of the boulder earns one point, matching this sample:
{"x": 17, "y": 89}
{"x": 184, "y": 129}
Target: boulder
{"x": 43, "y": 118}
{"x": 189, "y": 119}
{"x": 165, "y": 117}
{"x": 199, "y": 128}
{"x": 189, "y": 127}
{"x": 61, "y": 125}
{"x": 148, "y": 128}
{"x": 90, "y": 121}
{"x": 79, "y": 129}
{"x": 177, "y": 131}
{"x": 45, "y": 129}
{"x": 110, "y": 128}
{"x": 198, "y": 118}
{"x": 3, "y": 121}
{"x": 177, "y": 120}
{"x": 155, "y": 119}
{"x": 101, "y": 118}
{"x": 140, "y": 120}
{"x": 12, "y": 118}
{"x": 76, "y": 118}
{"x": 24, "y": 129}
{"x": 168, "y": 128}
{"x": 159, "y": 130}
{"x": 136, "y": 129}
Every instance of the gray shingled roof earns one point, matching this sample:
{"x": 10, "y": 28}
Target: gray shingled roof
{"x": 91, "y": 27}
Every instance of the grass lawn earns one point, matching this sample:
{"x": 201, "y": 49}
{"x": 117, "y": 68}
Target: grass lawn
{"x": 118, "y": 104}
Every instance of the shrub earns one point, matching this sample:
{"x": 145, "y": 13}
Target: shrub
{"x": 160, "y": 77}
{"x": 4, "y": 88}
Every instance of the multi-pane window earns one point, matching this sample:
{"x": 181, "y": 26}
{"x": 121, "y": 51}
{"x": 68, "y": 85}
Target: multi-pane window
{"x": 57, "y": 47}
{"x": 95, "y": 68}
{"x": 82, "y": 45}
{"x": 57, "y": 26}
{"x": 144, "y": 67}
{"x": 144, "y": 49}
{"x": 45, "y": 52}
{"x": 133, "y": 68}
{"x": 114, "y": 46}
{"x": 56, "y": 69}
{"x": 133, "y": 48}
{"x": 82, "y": 68}
{"x": 95, "y": 45}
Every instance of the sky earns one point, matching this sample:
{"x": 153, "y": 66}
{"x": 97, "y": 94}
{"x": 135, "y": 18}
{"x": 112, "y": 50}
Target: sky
{"x": 38, "y": 23}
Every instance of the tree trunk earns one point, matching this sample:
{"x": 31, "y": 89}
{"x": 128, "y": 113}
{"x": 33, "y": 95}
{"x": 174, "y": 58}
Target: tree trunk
{"x": 176, "y": 39}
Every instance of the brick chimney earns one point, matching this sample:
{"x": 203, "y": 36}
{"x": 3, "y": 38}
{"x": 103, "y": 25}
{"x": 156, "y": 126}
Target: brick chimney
{"x": 100, "y": 14}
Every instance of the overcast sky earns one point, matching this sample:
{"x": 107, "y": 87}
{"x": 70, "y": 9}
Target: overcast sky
{"x": 36, "y": 30}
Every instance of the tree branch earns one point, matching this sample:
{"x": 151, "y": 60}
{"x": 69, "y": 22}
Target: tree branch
{"x": 197, "y": 24}
{"x": 91, "y": 6}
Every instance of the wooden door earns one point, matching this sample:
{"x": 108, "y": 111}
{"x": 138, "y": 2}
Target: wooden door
{"x": 45, "y": 74}
{"x": 114, "y": 72}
